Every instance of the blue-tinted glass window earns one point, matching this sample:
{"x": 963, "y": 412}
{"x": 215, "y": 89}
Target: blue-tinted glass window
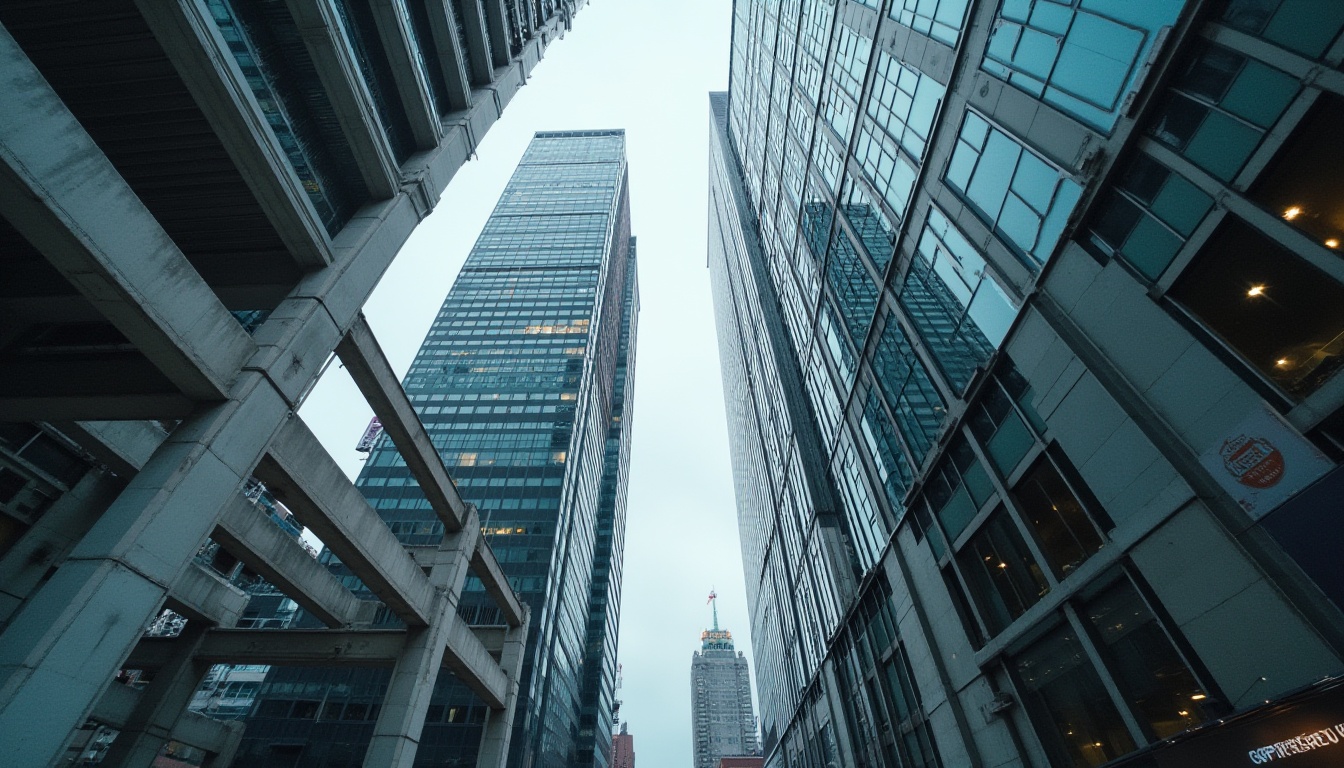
{"x": 940, "y": 19}
{"x": 1003, "y": 576}
{"x": 1220, "y": 107}
{"x": 852, "y": 50}
{"x": 875, "y": 232}
{"x": 1305, "y": 26}
{"x": 893, "y": 469}
{"x": 1024, "y": 198}
{"x": 961, "y": 314}
{"x": 853, "y": 286}
{"x": 1078, "y": 55}
{"x": 904, "y": 102}
{"x": 887, "y": 169}
{"x": 914, "y": 400}
{"x": 1149, "y": 214}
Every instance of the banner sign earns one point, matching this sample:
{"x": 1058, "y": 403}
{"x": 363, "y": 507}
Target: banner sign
{"x": 1307, "y": 733}
{"x": 371, "y": 434}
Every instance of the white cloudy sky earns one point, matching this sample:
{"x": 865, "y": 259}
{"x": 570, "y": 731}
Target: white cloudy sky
{"x": 645, "y": 66}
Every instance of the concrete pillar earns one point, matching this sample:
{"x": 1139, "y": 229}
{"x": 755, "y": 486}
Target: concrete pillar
{"x": 150, "y": 724}
{"x": 54, "y": 534}
{"x": 494, "y": 751}
{"x": 396, "y": 735}
{"x": 63, "y": 647}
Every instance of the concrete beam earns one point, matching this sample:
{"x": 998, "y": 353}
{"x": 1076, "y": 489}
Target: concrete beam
{"x": 451, "y": 57}
{"x": 486, "y": 568}
{"x": 472, "y": 663}
{"x": 393, "y": 22}
{"x": 124, "y": 446}
{"x": 150, "y": 723}
{"x": 201, "y": 595}
{"x": 306, "y": 479}
{"x": 478, "y": 47}
{"x": 62, "y": 649}
{"x": 298, "y": 647}
{"x": 322, "y": 34}
{"x": 497, "y": 24}
{"x": 63, "y": 194}
{"x": 247, "y": 533}
{"x": 495, "y": 736}
{"x": 366, "y": 364}
{"x": 202, "y": 59}
{"x": 218, "y": 737}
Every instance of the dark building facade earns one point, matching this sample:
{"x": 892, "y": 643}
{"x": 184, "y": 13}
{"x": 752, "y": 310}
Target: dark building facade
{"x": 523, "y": 385}
{"x": 1030, "y": 314}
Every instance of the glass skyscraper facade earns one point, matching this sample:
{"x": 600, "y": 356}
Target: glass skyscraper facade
{"x": 1021, "y": 438}
{"x": 523, "y": 384}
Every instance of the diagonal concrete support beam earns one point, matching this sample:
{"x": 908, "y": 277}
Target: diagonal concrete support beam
{"x": 220, "y": 738}
{"x": 364, "y": 360}
{"x": 344, "y": 83}
{"x": 63, "y": 194}
{"x": 396, "y": 734}
{"x": 245, "y": 532}
{"x": 497, "y": 24}
{"x": 157, "y": 708}
{"x": 201, "y": 595}
{"x": 494, "y": 749}
{"x": 478, "y": 46}
{"x": 303, "y": 476}
{"x": 202, "y": 59}
{"x": 393, "y": 21}
{"x": 451, "y": 56}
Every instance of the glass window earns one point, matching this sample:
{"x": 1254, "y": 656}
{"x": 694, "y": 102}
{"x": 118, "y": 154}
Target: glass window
{"x": 1063, "y": 690}
{"x": 853, "y": 286}
{"x": 1062, "y": 527}
{"x": 940, "y": 19}
{"x": 1154, "y": 678}
{"x": 960, "y": 312}
{"x": 1081, "y": 57}
{"x": 1305, "y": 26}
{"x": 886, "y": 168}
{"x": 893, "y": 470}
{"x": 1149, "y": 214}
{"x": 1219, "y": 108}
{"x": 904, "y": 102}
{"x": 1301, "y": 185}
{"x": 914, "y": 400}
{"x": 1000, "y": 429}
{"x": 1282, "y": 314}
{"x": 1000, "y": 572}
{"x": 1026, "y": 200}
{"x": 869, "y": 223}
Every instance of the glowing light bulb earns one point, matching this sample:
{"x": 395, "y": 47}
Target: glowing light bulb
{"x": 1255, "y": 290}
{"x": 1198, "y": 697}
{"x": 1332, "y": 243}
{"x": 1292, "y": 213}
{"x": 1282, "y": 362}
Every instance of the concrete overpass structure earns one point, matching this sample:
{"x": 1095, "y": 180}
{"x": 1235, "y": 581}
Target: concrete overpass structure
{"x": 196, "y": 199}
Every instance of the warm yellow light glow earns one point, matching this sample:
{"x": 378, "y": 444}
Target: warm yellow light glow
{"x": 1292, "y": 213}
{"x": 1282, "y": 362}
{"x": 1256, "y": 290}
{"x": 1003, "y": 565}
{"x": 1332, "y": 243}
{"x": 1198, "y": 697}
{"x": 1183, "y": 713}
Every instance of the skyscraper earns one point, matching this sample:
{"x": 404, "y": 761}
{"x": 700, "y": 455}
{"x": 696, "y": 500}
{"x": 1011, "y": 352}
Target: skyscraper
{"x": 1029, "y": 316}
{"x": 523, "y": 385}
{"x": 723, "y": 722}
{"x": 623, "y": 749}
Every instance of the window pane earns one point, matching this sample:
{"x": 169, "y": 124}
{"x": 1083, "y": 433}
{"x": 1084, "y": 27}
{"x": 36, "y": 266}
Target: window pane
{"x": 1082, "y": 722}
{"x": 1301, "y": 185}
{"x": 1283, "y": 315}
{"x": 1066, "y": 534}
{"x": 1305, "y": 26}
{"x": 1003, "y": 577}
{"x": 1154, "y": 678}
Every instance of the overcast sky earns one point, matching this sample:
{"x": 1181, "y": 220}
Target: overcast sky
{"x": 645, "y": 66}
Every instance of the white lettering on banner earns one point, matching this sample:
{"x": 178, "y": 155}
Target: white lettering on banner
{"x": 1264, "y": 461}
{"x": 1298, "y": 745}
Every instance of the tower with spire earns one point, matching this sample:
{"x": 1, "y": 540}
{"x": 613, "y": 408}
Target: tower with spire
{"x": 723, "y": 720}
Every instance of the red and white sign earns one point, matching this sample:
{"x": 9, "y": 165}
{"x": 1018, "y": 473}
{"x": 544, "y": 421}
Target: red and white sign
{"x": 1263, "y": 462}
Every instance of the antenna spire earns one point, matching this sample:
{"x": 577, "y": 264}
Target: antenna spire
{"x": 712, "y": 598}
